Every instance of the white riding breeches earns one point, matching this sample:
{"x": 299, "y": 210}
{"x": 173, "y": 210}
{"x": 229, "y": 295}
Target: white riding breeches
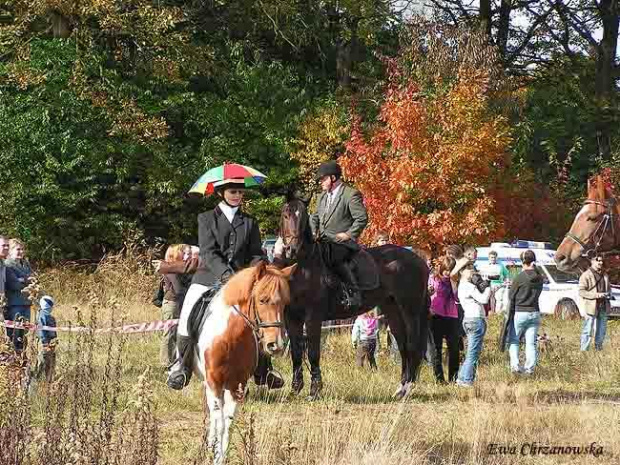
{"x": 194, "y": 293}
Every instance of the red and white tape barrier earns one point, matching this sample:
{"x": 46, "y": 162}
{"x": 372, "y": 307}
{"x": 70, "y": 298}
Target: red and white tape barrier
{"x": 146, "y": 327}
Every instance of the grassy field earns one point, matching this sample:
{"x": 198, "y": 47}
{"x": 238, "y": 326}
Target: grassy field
{"x": 573, "y": 400}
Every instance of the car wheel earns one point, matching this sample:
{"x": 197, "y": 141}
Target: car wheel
{"x": 566, "y": 309}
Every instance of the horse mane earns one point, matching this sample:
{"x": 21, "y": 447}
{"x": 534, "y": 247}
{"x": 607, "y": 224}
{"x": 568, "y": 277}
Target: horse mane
{"x": 599, "y": 188}
{"x": 261, "y": 281}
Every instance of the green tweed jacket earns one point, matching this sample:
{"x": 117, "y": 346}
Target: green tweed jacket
{"x": 346, "y": 213}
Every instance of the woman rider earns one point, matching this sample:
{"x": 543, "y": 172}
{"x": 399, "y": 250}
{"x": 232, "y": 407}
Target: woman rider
{"x": 229, "y": 240}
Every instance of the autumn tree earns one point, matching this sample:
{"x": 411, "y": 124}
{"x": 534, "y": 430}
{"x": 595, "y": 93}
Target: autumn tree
{"x": 429, "y": 166}
{"x": 321, "y": 137}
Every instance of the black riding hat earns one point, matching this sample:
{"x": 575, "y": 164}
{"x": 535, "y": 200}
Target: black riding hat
{"x": 330, "y": 168}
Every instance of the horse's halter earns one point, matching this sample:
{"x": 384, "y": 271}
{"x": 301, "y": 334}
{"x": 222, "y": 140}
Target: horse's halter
{"x": 590, "y": 246}
{"x": 257, "y": 324}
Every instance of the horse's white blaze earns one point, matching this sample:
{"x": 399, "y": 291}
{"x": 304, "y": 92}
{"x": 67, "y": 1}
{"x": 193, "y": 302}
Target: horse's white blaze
{"x": 583, "y": 211}
{"x": 214, "y": 326}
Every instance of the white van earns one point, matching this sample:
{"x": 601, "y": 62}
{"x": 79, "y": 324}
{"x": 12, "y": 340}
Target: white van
{"x": 560, "y": 288}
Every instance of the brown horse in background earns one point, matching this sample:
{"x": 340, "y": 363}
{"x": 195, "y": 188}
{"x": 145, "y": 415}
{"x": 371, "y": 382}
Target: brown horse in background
{"x": 595, "y": 230}
{"x": 402, "y": 295}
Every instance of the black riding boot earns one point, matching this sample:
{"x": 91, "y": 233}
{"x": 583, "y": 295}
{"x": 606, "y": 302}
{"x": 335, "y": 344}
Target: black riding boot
{"x": 355, "y": 295}
{"x": 264, "y": 374}
{"x": 181, "y": 371}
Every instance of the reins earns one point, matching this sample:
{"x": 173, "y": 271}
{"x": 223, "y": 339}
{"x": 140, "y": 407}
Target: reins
{"x": 607, "y": 222}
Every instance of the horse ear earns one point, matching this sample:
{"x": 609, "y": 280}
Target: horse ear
{"x": 259, "y": 269}
{"x": 289, "y": 270}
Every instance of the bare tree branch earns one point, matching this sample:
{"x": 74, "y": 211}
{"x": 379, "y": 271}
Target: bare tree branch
{"x": 528, "y": 35}
{"x": 568, "y": 16}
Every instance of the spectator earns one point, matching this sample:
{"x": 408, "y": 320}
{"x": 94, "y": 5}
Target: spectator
{"x": 444, "y": 323}
{"x": 594, "y": 292}
{"x": 364, "y": 338}
{"x": 456, "y": 252}
{"x": 46, "y": 363}
{"x": 524, "y": 294}
{"x": 471, "y": 254}
{"x": 4, "y": 253}
{"x": 474, "y": 324}
{"x": 498, "y": 274}
{"x": 18, "y": 273}
{"x": 174, "y": 289}
{"x": 382, "y": 238}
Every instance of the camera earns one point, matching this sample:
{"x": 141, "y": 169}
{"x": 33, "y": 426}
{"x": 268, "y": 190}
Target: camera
{"x": 480, "y": 283}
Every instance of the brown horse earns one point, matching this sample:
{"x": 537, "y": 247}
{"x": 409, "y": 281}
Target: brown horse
{"x": 402, "y": 295}
{"x": 246, "y": 316}
{"x": 595, "y": 228}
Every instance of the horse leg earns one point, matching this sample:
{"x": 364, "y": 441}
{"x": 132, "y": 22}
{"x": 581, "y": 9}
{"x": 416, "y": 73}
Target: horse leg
{"x": 228, "y": 412}
{"x": 416, "y": 335}
{"x": 214, "y": 413}
{"x": 295, "y": 333}
{"x": 398, "y": 330}
{"x": 313, "y": 328}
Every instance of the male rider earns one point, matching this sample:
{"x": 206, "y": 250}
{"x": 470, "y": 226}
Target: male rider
{"x": 340, "y": 219}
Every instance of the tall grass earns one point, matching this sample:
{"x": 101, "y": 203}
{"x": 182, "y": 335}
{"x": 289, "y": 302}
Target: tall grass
{"x": 109, "y": 402}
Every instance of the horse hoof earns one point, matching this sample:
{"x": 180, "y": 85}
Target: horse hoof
{"x": 403, "y": 391}
{"x": 297, "y": 386}
{"x": 315, "y": 391}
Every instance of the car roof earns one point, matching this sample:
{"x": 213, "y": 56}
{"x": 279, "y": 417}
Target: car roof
{"x": 513, "y": 254}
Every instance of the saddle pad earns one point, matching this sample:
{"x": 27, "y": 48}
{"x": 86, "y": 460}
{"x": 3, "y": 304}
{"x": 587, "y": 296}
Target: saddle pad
{"x": 200, "y": 313}
{"x": 366, "y": 270}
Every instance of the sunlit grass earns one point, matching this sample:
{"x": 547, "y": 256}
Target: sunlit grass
{"x": 573, "y": 399}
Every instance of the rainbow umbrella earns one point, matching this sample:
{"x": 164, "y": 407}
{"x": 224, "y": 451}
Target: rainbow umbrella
{"x": 228, "y": 172}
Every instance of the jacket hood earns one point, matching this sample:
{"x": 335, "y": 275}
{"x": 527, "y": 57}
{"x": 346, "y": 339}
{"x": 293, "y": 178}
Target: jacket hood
{"x": 534, "y": 276}
{"x": 46, "y": 303}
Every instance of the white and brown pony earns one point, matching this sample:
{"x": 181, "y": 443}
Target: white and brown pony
{"x": 245, "y": 316}
{"x": 595, "y": 230}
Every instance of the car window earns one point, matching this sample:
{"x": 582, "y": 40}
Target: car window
{"x": 561, "y": 276}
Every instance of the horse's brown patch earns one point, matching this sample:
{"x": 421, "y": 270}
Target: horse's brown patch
{"x": 231, "y": 358}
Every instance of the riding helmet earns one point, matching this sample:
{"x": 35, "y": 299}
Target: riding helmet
{"x": 330, "y": 168}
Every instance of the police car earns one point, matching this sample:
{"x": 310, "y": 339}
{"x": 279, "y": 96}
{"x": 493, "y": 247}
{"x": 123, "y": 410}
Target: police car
{"x": 561, "y": 289}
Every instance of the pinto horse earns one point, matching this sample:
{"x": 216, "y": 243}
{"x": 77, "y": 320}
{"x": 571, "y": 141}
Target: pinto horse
{"x": 402, "y": 296}
{"x": 245, "y": 316}
{"x": 595, "y": 230}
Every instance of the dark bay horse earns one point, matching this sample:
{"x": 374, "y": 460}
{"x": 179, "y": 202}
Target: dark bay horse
{"x": 402, "y": 296}
{"x": 595, "y": 230}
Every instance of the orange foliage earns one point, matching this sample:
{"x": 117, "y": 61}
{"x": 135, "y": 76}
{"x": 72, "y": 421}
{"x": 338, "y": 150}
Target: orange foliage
{"x": 429, "y": 169}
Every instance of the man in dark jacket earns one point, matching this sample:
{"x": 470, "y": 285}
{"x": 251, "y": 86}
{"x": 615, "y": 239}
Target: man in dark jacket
{"x": 229, "y": 240}
{"x": 340, "y": 220}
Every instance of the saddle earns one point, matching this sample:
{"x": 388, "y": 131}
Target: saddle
{"x": 366, "y": 271}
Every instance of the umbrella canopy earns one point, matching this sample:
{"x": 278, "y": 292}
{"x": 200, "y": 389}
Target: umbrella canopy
{"x": 224, "y": 174}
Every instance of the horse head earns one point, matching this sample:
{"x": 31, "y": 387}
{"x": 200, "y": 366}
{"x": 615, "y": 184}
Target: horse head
{"x": 594, "y": 229}
{"x": 294, "y": 227}
{"x": 260, "y": 294}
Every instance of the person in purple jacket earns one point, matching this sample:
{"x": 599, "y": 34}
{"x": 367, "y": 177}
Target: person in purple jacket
{"x": 444, "y": 322}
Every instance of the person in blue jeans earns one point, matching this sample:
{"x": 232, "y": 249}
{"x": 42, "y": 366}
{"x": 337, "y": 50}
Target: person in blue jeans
{"x": 524, "y": 294}
{"x": 474, "y": 323}
{"x": 594, "y": 292}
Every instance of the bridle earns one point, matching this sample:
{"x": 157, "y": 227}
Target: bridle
{"x": 590, "y": 246}
{"x": 257, "y": 324}
{"x": 291, "y": 238}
